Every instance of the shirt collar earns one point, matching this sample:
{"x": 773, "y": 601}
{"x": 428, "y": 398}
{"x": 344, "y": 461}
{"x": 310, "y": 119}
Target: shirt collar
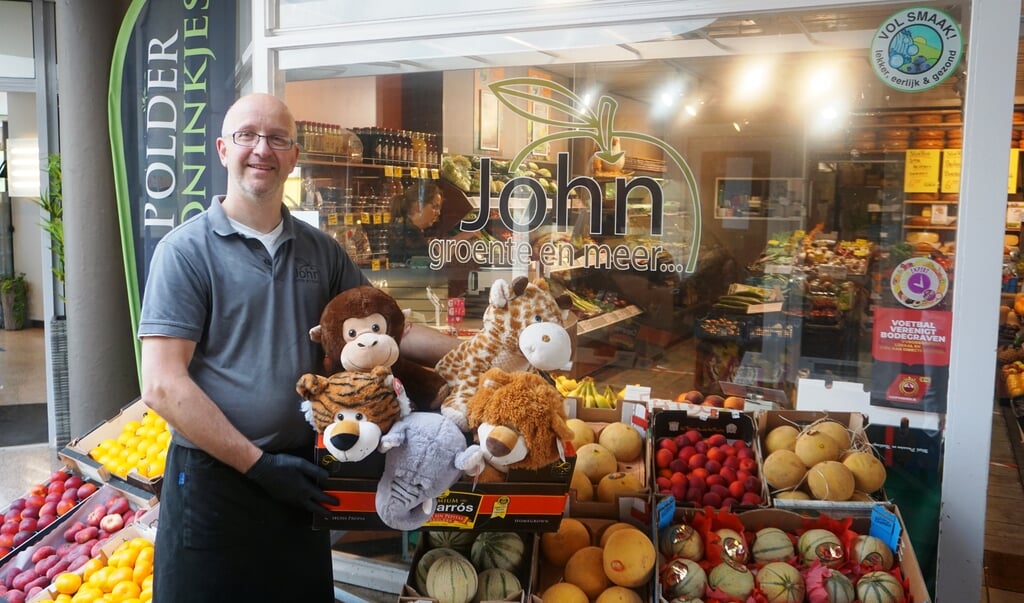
{"x": 222, "y": 226}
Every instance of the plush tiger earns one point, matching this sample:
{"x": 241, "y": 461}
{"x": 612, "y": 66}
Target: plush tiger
{"x": 352, "y": 410}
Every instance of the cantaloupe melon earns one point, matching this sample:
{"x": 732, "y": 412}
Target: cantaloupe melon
{"x": 733, "y": 545}
{"x": 819, "y": 544}
{"x": 871, "y": 553}
{"x": 585, "y": 569}
{"x": 835, "y": 430}
{"x": 838, "y": 588}
{"x": 452, "y": 579}
{"x": 782, "y": 437}
{"x": 619, "y": 594}
{"x": 564, "y": 592}
{"x": 604, "y": 533}
{"x": 868, "y": 472}
{"x": 556, "y": 547}
{"x": 681, "y": 578}
{"x": 595, "y": 461}
{"x": 583, "y": 433}
{"x": 622, "y": 440}
{"x": 617, "y": 484}
{"x": 496, "y": 585}
{"x": 780, "y": 582}
{"x": 880, "y": 587}
{"x": 792, "y": 495}
{"x": 426, "y": 560}
{"x": 772, "y": 544}
{"x": 629, "y": 557}
{"x": 830, "y": 480}
{"x": 735, "y": 581}
{"x": 681, "y": 540}
{"x": 460, "y": 540}
{"x": 783, "y": 469}
{"x": 581, "y": 484}
{"x": 813, "y": 447}
{"x": 502, "y": 550}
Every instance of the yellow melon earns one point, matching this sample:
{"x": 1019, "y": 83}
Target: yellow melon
{"x": 581, "y": 484}
{"x": 830, "y": 480}
{"x": 868, "y": 472}
{"x": 782, "y": 437}
{"x": 583, "y": 433}
{"x": 602, "y": 535}
{"x": 585, "y": 570}
{"x": 617, "y": 484}
{"x": 792, "y": 495}
{"x": 558, "y": 546}
{"x": 564, "y": 592}
{"x": 619, "y": 594}
{"x": 736, "y": 581}
{"x": 629, "y": 557}
{"x": 813, "y": 447}
{"x": 783, "y": 469}
{"x": 622, "y": 440}
{"x": 595, "y": 461}
{"x": 835, "y": 430}
{"x": 681, "y": 540}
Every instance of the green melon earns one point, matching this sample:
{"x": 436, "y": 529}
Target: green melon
{"x": 780, "y": 582}
{"x": 452, "y": 579}
{"x": 839, "y": 588}
{"x": 880, "y": 587}
{"x": 734, "y": 581}
{"x": 818, "y": 544}
{"x": 502, "y": 550}
{"x": 426, "y": 560}
{"x": 772, "y": 544}
{"x": 496, "y": 584}
{"x": 871, "y": 553}
{"x": 460, "y": 540}
{"x": 734, "y": 546}
{"x": 681, "y": 578}
{"x": 681, "y": 540}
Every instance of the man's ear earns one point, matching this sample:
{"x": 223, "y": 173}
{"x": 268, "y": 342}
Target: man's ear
{"x": 314, "y": 334}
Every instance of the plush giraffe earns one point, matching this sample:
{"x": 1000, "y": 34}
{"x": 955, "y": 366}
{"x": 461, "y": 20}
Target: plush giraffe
{"x": 511, "y": 309}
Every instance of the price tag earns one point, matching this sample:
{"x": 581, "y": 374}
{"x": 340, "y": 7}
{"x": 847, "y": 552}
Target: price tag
{"x": 666, "y": 510}
{"x": 378, "y": 218}
{"x": 387, "y": 217}
{"x": 349, "y": 220}
{"x": 885, "y": 526}
{"x": 414, "y": 172}
{"x": 364, "y": 217}
{"x": 375, "y": 264}
{"x": 397, "y": 172}
{"x": 332, "y": 219}
{"x": 388, "y": 172}
{"x": 434, "y": 174}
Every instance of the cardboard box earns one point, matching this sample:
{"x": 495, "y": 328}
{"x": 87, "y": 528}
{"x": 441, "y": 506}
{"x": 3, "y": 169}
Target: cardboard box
{"x": 735, "y": 425}
{"x": 634, "y": 414}
{"x": 526, "y": 574}
{"x": 529, "y": 501}
{"x": 76, "y": 452}
{"x": 862, "y": 522}
{"x": 855, "y": 422}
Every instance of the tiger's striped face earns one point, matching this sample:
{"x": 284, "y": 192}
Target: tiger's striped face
{"x": 352, "y": 410}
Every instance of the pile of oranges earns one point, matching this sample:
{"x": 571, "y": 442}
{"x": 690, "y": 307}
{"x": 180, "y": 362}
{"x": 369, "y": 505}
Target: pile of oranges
{"x": 125, "y": 577}
{"x": 141, "y": 447}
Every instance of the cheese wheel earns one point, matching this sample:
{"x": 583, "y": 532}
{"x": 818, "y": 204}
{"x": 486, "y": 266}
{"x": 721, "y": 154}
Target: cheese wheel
{"x": 922, "y": 133}
{"x": 895, "y": 119}
{"x": 922, "y": 196}
{"x": 926, "y": 118}
{"x": 952, "y": 118}
{"x": 1018, "y": 117}
{"x": 928, "y": 143}
{"x": 950, "y": 196}
{"x": 895, "y": 133}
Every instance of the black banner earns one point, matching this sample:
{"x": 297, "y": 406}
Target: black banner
{"x": 172, "y": 80}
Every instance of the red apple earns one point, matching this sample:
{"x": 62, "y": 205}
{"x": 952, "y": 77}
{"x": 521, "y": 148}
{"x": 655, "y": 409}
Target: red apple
{"x": 697, "y": 461}
{"x": 686, "y": 452}
{"x": 716, "y": 479}
{"x": 59, "y": 475}
{"x": 13, "y": 514}
{"x": 701, "y": 447}
{"x": 111, "y": 523}
{"x": 57, "y": 486}
{"x": 31, "y": 511}
{"x": 713, "y": 400}
{"x": 728, "y": 473}
{"x": 737, "y": 489}
{"x": 711, "y": 500}
{"x": 693, "y": 435}
{"x": 752, "y": 484}
{"x": 719, "y": 490}
{"x": 16, "y": 505}
{"x": 693, "y": 397}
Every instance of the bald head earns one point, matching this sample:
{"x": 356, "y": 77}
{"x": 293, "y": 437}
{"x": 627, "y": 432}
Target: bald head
{"x": 255, "y": 110}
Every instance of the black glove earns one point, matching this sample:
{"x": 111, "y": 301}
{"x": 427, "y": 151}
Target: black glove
{"x": 292, "y": 480}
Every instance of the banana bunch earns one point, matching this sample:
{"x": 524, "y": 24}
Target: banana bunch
{"x": 584, "y": 305}
{"x": 586, "y": 390}
{"x": 565, "y": 385}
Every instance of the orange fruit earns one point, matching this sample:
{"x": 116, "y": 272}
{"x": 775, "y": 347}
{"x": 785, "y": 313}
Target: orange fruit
{"x": 67, "y": 583}
{"x": 117, "y": 576}
{"x": 126, "y": 590}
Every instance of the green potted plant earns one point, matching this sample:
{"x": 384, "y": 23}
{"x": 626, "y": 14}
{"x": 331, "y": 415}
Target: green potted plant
{"x": 14, "y": 299}
{"x": 52, "y": 204}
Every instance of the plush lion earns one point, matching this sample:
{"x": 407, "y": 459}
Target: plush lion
{"x": 362, "y": 328}
{"x": 520, "y": 422}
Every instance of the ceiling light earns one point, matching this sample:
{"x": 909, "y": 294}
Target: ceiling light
{"x": 736, "y": 126}
{"x": 690, "y": 109}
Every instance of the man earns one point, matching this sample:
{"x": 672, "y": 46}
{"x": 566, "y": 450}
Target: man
{"x": 231, "y": 296}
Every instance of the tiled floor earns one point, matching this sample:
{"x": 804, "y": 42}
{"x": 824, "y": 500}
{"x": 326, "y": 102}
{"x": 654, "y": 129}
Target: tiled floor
{"x": 21, "y": 367}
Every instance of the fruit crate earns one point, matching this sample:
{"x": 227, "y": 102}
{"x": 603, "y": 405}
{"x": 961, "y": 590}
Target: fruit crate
{"x": 677, "y": 430}
{"x": 854, "y": 422}
{"x": 415, "y": 590}
{"x": 883, "y": 521}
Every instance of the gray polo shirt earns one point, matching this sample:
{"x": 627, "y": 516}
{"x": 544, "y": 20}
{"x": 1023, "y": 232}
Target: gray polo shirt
{"x": 249, "y": 314}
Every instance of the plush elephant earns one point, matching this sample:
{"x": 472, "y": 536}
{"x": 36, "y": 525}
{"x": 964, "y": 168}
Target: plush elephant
{"x": 425, "y": 454}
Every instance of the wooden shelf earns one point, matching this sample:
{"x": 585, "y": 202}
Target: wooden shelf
{"x": 607, "y": 319}
{"x": 930, "y": 227}
{"x": 933, "y": 202}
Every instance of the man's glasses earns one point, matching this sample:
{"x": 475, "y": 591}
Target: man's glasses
{"x": 245, "y": 138}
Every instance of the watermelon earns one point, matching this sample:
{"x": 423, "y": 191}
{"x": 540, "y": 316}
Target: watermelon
{"x": 460, "y": 540}
{"x": 496, "y": 584}
{"x": 772, "y": 544}
{"x": 880, "y": 587}
{"x": 682, "y": 577}
{"x": 780, "y": 582}
{"x": 821, "y": 545}
{"x": 839, "y": 588}
{"x": 871, "y": 553}
{"x": 502, "y": 550}
{"x": 452, "y": 579}
{"x": 426, "y": 560}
